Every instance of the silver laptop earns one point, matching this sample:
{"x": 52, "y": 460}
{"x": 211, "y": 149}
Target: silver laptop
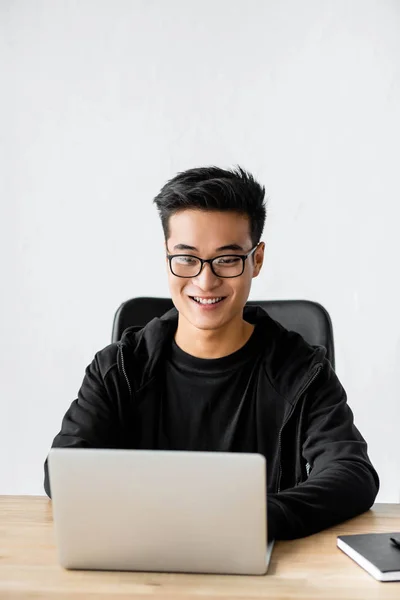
{"x": 197, "y": 512}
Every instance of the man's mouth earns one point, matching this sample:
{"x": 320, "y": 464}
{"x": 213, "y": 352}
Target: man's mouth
{"x": 205, "y": 301}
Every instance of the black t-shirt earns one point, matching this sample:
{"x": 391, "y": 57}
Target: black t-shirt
{"x": 209, "y": 404}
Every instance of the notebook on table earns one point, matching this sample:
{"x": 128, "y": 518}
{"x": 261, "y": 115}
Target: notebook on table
{"x": 199, "y": 512}
{"x": 374, "y": 552}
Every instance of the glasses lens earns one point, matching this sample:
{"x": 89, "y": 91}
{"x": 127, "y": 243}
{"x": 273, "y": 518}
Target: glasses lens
{"x": 228, "y": 266}
{"x": 185, "y": 266}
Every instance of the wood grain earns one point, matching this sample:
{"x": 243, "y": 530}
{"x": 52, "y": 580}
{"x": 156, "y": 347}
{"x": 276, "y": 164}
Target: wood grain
{"x": 309, "y": 568}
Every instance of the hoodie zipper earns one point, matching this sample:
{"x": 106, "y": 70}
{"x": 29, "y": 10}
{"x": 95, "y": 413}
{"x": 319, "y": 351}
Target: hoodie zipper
{"x": 124, "y": 372}
{"x": 302, "y": 390}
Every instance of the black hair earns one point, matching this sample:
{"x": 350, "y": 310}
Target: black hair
{"x": 212, "y": 188}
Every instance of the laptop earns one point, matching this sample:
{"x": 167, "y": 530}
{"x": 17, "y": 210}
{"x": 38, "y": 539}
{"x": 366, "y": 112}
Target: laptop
{"x": 143, "y": 510}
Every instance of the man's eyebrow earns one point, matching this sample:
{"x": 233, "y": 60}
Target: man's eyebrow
{"x": 230, "y": 247}
{"x": 184, "y": 247}
{"x": 234, "y": 247}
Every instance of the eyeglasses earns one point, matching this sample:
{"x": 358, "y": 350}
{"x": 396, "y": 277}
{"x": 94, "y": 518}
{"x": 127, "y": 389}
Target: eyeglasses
{"x": 227, "y": 266}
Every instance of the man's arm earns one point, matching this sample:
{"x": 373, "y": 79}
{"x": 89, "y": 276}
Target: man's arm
{"x": 91, "y": 420}
{"x": 342, "y": 481}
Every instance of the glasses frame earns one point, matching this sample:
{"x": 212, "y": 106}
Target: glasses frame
{"x": 210, "y": 261}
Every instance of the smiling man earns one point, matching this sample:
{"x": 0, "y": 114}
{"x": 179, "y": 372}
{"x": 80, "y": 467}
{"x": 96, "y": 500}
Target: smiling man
{"x": 215, "y": 375}
{"x": 210, "y": 294}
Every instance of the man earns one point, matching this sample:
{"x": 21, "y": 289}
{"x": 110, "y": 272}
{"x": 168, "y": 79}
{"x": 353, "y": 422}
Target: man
{"x": 213, "y": 375}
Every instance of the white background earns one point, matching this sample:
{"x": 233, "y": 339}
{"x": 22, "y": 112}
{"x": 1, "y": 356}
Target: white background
{"x": 102, "y": 101}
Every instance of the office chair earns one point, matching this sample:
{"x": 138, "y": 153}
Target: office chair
{"x": 307, "y": 318}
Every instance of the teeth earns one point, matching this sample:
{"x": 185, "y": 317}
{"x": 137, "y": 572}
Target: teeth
{"x": 207, "y": 300}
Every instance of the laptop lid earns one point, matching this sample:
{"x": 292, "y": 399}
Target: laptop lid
{"x": 159, "y": 510}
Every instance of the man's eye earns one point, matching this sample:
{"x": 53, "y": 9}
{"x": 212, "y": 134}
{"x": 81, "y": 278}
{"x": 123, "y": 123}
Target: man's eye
{"x": 185, "y": 260}
{"x": 228, "y": 260}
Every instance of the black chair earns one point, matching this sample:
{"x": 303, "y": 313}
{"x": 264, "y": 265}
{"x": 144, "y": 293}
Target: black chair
{"x": 310, "y": 319}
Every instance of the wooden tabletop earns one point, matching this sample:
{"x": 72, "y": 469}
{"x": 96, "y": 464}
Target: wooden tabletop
{"x": 309, "y": 568}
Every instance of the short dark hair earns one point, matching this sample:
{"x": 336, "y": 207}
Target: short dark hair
{"x": 212, "y": 188}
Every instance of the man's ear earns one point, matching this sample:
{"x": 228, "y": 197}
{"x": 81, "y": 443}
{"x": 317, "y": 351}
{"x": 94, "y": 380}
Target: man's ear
{"x": 258, "y": 259}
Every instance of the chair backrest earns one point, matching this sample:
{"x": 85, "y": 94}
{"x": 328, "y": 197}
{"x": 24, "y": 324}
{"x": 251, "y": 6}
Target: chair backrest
{"x": 309, "y": 319}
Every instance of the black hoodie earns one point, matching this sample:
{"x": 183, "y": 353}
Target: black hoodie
{"x": 318, "y": 470}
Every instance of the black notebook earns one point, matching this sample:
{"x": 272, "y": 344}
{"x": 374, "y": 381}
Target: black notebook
{"x": 375, "y": 553}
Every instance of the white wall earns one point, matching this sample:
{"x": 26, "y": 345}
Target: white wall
{"x": 102, "y": 101}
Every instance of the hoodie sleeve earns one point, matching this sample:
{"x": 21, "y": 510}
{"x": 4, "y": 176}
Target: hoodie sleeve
{"x": 342, "y": 482}
{"x": 91, "y": 420}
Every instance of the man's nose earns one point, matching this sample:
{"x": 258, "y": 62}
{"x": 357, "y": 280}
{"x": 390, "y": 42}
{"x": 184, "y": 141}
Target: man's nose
{"x": 206, "y": 280}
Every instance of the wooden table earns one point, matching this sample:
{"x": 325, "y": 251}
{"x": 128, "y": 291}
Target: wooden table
{"x": 309, "y": 568}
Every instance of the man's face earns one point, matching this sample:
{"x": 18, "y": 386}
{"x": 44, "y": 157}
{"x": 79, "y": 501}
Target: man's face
{"x": 208, "y": 234}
